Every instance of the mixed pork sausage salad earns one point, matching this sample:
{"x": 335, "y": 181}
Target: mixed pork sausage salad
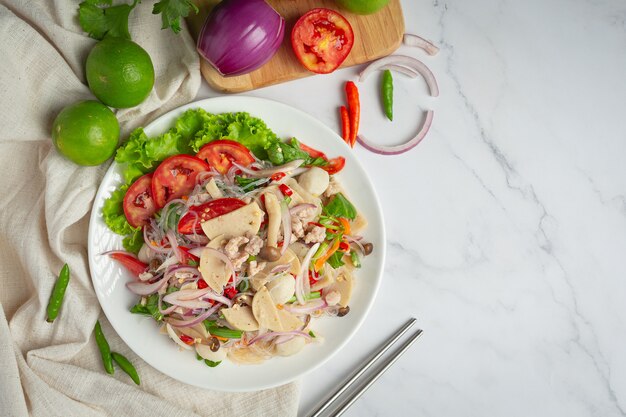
{"x": 235, "y": 239}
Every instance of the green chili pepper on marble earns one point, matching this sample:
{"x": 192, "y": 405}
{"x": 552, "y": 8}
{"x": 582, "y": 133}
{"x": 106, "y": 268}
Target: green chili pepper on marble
{"x": 387, "y": 92}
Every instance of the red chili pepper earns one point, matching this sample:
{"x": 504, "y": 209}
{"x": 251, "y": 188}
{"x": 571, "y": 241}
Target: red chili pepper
{"x": 344, "y": 247}
{"x": 285, "y": 190}
{"x": 345, "y": 124}
{"x": 262, "y": 198}
{"x": 230, "y": 292}
{"x": 354, "y": 110}
{"x": 188, "y": 340}
{"x": 202, "y": 284}
{"x": 277, "y": 176}
{"x": 313, "y": 277}
{"x": 186, "y": 256}
{"x": 280, "y": 244}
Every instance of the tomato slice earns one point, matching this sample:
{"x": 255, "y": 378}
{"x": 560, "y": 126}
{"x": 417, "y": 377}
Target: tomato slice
{"x": 175, "y": 177}
{"x": 128, "y": 261}
{"x": 221, "y": 154}
{"x": 138, "y": 202}
{"x": 322, "y": 39}
{"x": 335, "y": 165}
{"x": 207, "y": 211}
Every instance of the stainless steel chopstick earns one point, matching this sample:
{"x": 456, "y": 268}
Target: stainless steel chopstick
{"x": 373, "y": 378}
{"x": 327, "y": 402}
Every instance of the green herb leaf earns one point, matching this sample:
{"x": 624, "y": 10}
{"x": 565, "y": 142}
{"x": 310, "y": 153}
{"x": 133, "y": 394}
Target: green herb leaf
{"x": 133, "y": 243}
{"x": 212, "y": 327}
{"x": 172, "y": 11}
{"x": 354, "y": 258}
{"x": 339, "y": 206}
{"x": 211, "y": 364}
{"x": 150, "y": 309}
{"x": 245, "y": 183}
{"x": 282, "y": 152}
{"x": 335, "y": 260}
{"x": 99, "y": 18}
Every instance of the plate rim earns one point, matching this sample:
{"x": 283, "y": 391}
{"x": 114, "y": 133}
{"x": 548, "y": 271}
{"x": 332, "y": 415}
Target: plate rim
{"x": 377, "y": 207}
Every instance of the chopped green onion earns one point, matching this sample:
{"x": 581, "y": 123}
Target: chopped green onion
{"x": 354, "y": 257}
{"x": 215, "y": 330}
{"x": 243, "y": 285}
{"x": 311, "y": 333}
{"x": 310, "y": 296}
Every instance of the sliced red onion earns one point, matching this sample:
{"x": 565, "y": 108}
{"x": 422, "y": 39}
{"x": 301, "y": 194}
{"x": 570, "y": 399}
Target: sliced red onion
{"x": 166, "y": 311}
{"x": 399, "y": 68}
{"x": 270, "y": 171}
{"x": 311, "y": 306}
{"x": 297, "y": 209}
{"x": 140, "y": 288}
{"x": 173, "y": 299}
{"x": 186, "y": 295}
{"x": 407, "y": 61}
{"x": 283, "y": 339}
{"x": 304, "y": 269}
{"x": 351, "y": 239}
{"x": 395, "y": 150}
{"x": 195, "y": 320}
{"x": 176, "y": 338}
{"x": 274, "y": 334}
{"x": 286, "y": 220}
{"x": 219, "y": 298}
{"x": 171, "y": 237}
{"x": 239, "y": 36}
{"x": 153, "y": 247}
{"x": 418, "y": 41}
{"x": 280, "y": 268}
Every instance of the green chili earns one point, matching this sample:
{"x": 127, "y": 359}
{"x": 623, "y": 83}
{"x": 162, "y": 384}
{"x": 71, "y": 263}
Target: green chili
{"x": 105, "y": 349}
{"x": 56, "y": 298}
{"x": 126, "y": 366}
{"x": 311, "y": 296}
{"x": 387, "y": 92}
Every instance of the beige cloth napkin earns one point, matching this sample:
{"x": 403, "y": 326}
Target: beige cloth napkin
{"x": 55, "y": 369}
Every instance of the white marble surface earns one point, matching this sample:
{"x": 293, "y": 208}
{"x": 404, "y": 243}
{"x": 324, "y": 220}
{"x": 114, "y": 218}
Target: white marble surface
{"x": 507, "y": 225}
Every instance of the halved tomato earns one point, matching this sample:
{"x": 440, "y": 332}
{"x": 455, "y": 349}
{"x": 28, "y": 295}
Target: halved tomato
{"x": 175, "y": 177}
{"x": 221, "y": 154}
{"x": 138, "y": 202}
{"x": 322, "y": 39}
{"x": 206, "y": 211}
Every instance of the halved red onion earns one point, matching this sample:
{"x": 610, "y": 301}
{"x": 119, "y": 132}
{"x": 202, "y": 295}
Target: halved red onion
{"x": 195, "y": 320}
{"x": 140, "y": 288}
{"x": 303, "y": 274}
{"x": 418, "y": 41}
{"x": 395, "y": 150}
{"x": 406, "y": 61}
{"x": 289, "y": 166}
{"x": 239, "y": 36}
{"x": 286, "y": 220}
{"x": 176, "y": 338}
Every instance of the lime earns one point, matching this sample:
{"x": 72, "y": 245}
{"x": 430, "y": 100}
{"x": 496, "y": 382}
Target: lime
{"x": 363, "y": 6}
{"x": 86, "y": 132}
{"x": 119, "y": 72}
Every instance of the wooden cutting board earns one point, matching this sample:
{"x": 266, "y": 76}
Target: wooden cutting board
{"x": 375, "y": 36}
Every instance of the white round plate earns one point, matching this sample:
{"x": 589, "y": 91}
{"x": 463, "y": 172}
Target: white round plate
{"x": 141, "y": 333}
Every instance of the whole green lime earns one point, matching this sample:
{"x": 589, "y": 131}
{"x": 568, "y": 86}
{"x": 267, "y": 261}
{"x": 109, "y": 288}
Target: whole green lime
{"x": 119, "y": 72}
{"x": 362, "y": 6}
{"x": 86, "y": 132}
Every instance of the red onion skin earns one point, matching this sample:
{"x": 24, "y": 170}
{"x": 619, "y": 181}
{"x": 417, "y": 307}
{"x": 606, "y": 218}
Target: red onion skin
{"x": 240, "y": 36}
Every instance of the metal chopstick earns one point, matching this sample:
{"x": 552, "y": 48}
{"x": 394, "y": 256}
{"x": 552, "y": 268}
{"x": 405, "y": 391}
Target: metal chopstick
{"x": 373, "y": 378}
{"x": 327, "y": 402}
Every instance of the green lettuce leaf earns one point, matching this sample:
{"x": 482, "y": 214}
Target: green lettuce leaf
{"x": 113, "y": 213}
{"x": 132, "y": 243}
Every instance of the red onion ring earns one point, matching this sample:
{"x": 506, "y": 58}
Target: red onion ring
{"x": 173, "y": 299}
{"x": 297, "y": 209}
{"x": 395, "y": 150}
{"x": 219, "y": 298}
{"x": 399, "y": 68}
{"x": 286, "y": 220}
{"x": 407, "y": 61}
{"x": 418, "y": 41}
